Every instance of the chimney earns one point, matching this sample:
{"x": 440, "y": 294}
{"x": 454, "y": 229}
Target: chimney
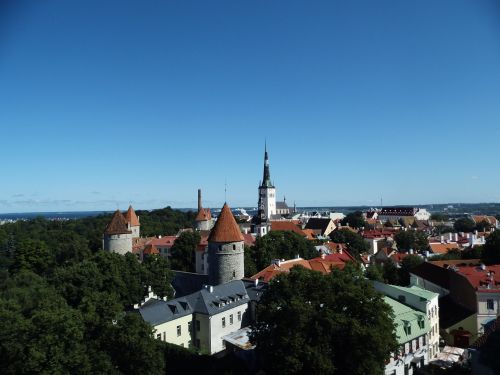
{"x": 199, "y": 200}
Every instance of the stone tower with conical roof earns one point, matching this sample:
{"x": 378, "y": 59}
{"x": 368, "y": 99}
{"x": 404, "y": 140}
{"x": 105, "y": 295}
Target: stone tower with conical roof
{"x": 133, "y": 220}
{"x": 203, "y": 220}
{"x": 225, "y": 250}
{"x": 117, "y": 235}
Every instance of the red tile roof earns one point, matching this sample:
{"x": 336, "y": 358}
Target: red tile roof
{"x": 131, "y": 217}
{"x": 309, "y": 233}
{"x": 443, "y": 248}
{"x": 204, "y": 214}
{"x": 249, "y": 239}
{"x": 287, "y": 226}
{"x": 117, "y": 225}
{"x": 487, "y": 279}
{"x": 150, "y": 249}
{"x": 166, "y": 241}
{"x": 225, "y": 229}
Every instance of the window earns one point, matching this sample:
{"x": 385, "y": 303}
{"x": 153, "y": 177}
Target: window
{"x": 158, "y": 336}
{"x": 490, "y": 305}
{"x": 234, "y": 247}
{"x": 231, "y": 319}
{"x": 223, "y": 343}
{"x": 179, "y": 331}
{"x": 198, "y": 325}
{"x": 234, "y": 273}
{"x": 223, "y": 322}
{"x": 239, "y": 316}
{"x": 164, "y": 336}
{"x": 190, "y": 327}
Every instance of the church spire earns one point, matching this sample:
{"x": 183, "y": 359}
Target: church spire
{"x": 266, "y": 179}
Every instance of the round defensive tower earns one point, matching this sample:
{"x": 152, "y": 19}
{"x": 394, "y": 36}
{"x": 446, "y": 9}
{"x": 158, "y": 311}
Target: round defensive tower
{"x": 226, "y": 259}
{"x": 203, "y": 220}
{"x": 117, "y": 235}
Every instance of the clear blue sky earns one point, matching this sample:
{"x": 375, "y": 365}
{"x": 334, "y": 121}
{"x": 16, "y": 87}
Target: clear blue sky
{"x": 110, "y": 102}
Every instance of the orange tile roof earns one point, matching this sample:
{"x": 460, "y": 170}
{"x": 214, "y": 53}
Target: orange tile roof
{"x": 323, "y": 265}
{"x": 442, "y": 248}
{"x": 286, "y": 226}
{"x": 273, "y": 270}
{"x": 150, "y": 249}
{"x": 117, "y": 225}
{"x": 309, "y": 233}
{"x": 131, "y": 217}
{"x": 225, "y": 229}
{"x": 165, "y": 241}
{"x": 204, "y": 214}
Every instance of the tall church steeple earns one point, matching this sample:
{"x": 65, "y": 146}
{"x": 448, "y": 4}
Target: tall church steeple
{"x": 267, "y": 192}
{"x": 266, "y": 178}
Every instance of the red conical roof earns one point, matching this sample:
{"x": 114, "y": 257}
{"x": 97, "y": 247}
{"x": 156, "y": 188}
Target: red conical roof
{"x": 131, "y": 217}
{"x": 226, "y": 229}
{"x": 117, "y": 225}
{"x": 203, "y": 215}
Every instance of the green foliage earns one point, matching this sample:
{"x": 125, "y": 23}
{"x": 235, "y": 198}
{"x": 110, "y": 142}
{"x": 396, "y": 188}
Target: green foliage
{"x": 438, "y": 216}
{"x": 387, "y": 273}
{"x": 280, "y": 245}
{"x": 354, "y": 241}
{"x": 250, "y": 266}
{"x": 158, "y": 275}
{"x": 354, "y": 219}
{"x": 483, "y": 226}
{"x": 491, "y": 249}
{"x": 183, "y": 251}
{"x": 489, "y": 352}
{"x": 464, "y": 224}
{"x": 63, "y": 300}
{"x": 411, "y": 239}
{"x": 312, "y": 323}
{"x": 165, "y": 221}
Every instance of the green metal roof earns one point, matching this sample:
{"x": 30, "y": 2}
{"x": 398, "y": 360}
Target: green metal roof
{"x": 407, "y": 317}
{"x": 422, "y": 293}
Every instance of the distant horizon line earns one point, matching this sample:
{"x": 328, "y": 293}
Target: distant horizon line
{"x": 245, "y": 207}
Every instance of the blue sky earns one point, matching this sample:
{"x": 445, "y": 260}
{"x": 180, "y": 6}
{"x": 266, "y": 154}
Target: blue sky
{"x": 103, "y": 103}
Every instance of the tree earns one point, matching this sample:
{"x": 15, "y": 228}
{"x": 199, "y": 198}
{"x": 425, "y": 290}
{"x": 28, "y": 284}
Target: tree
{"x": 464, "y": 224}
{"x": 250, "y": 266}
{"x": 387, "y": 273}
{"x": 411, "y": 239}
{"x": 355, "y": 243}
{"x": 354, "y": 220}
{"x": 483, "y": 226}
{"x": 407, "y": 264}
{"x": 375, "y": 272}
{"x": 39, "y": 332}
{"x": 491, "y": 249}
{"x": 158, "y": 275}
{"x": 183, "y": 251}
{"x": 438, "y": 216}
{"x": 281, "y": 245}
{"x": 308, "y": 322}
